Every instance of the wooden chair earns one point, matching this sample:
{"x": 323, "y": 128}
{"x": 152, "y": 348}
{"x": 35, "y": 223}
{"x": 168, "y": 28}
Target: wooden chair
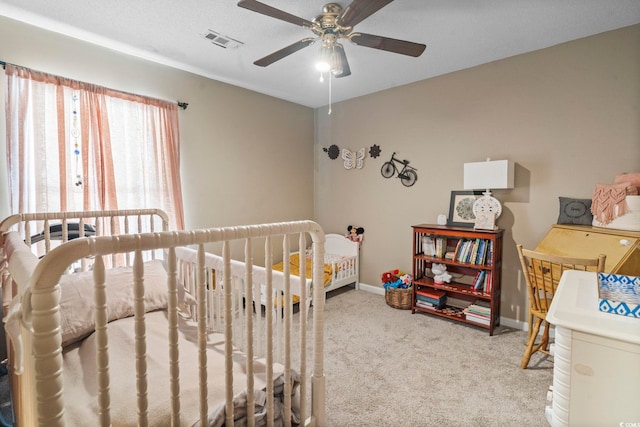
{"x": 542, "y": 273}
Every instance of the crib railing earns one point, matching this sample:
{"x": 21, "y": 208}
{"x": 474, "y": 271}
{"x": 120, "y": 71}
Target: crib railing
{"x": 344, "y": 267}
{"x": 198, "y": 275}
{"x": 44, "y": 231}
{"x": 213, "y": 277}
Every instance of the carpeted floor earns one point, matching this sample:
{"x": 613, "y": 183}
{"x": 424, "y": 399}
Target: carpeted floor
{"x": 387, "y": 367}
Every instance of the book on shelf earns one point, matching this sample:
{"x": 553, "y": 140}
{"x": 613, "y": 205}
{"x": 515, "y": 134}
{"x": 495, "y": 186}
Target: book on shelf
{"x": 428, "y": 246}
{"x": 431, "y": 297}
{"x": 458, "y": 249}
{"x": 431, "y": 293}
{"x": 436, "y": 302}
{"x": 478, "y": 319}
{"x": 472, "y": 246}
{"x": 478, "y": 283}
{"x": 466, "y": 250}
{"x": 424, "y": 304}
{"x": 475, "y": 279}
{"x": 488, "y": 283}
{"x": 441, "y": 246}
{"x": 474, "y": 251}
{"x": 480, "y": 308}
{"x": 481, "y": 254}
{"x": 489, "y": 252}
{"x": 479, "y": 312}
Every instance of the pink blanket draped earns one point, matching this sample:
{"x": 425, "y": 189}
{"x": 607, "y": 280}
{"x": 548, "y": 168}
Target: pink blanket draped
{"x": 606, "y": 197}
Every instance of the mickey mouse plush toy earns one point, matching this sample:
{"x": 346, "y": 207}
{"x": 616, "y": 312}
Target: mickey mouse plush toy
{"x": 355, "y": 234}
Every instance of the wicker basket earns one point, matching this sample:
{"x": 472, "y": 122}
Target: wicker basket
{"x": 399, "y": 298}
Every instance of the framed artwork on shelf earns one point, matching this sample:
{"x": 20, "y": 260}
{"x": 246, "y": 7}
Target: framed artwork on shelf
{"x": 461, "y": 208}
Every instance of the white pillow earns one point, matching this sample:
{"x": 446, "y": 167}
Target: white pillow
{"x": 77, "y": 316}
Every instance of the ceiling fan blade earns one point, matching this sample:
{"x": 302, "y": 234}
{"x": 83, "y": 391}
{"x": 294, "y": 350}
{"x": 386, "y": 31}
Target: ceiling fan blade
{"x": 286, "y": 51}
{"x": 359, "y": 10}
{"x": 265, "y": 9}
{"x": 386, "y": 43}
{"x": 345, "y": 70}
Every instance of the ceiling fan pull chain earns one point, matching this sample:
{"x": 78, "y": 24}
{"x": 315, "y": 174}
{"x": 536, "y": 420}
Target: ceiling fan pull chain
{"x": 330, "y": 78}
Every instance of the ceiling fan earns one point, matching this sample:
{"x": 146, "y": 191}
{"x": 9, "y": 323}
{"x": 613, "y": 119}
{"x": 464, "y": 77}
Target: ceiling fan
{"x": 333, "y": 24}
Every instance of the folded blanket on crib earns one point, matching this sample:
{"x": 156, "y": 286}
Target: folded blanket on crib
{"x": 294, "y": 268}
{"x": 80, "y": 391}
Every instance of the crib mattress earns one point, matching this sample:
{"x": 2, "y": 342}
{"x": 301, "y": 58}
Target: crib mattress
{"x": 80, "y": 384}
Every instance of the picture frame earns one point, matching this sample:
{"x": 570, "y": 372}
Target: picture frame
{"x": 461, "y": 208}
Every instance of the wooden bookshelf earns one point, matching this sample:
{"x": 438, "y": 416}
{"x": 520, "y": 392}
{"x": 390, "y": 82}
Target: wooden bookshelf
{"x": 474, "y": 260}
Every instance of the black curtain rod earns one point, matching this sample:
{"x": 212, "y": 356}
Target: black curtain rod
{"x": 181, "y": 104}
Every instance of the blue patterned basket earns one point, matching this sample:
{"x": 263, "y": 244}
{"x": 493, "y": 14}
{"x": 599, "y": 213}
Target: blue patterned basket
{"x": 619, "y": 294}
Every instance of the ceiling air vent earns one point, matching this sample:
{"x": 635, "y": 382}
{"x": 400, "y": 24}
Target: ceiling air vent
{"x": 222, "y": 40}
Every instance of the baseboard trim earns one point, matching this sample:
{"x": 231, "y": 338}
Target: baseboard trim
{"x": 504, "y": 321}
{"x": 369, "y": 288}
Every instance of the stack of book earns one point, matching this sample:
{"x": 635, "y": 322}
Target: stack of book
{"x": 430, "y": 298}
{"x": 479, "y": 312}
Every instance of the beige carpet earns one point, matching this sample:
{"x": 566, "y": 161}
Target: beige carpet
{"x": 387, "y": 367}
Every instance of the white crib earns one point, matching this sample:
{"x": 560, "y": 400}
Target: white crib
{"x": 208, "y": 312}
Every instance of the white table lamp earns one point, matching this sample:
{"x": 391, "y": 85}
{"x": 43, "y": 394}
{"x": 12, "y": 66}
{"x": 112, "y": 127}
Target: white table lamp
{"x": 492, "y": 174}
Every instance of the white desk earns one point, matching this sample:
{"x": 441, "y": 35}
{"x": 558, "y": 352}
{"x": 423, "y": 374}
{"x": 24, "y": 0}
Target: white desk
{"x": 596, "y": 371}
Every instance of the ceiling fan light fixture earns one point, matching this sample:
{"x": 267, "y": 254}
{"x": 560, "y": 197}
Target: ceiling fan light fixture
{"x": 331, "y": 56}
{"x": 336, "y": 64}
{"x": 324, "y": 62}
{"x": 323, "y": 67}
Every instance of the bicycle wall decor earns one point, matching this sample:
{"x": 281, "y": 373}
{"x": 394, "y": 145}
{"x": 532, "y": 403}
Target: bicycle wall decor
{"x": 407, "y": 174}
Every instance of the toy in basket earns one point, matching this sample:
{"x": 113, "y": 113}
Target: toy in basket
{"x": 397, "y": 286}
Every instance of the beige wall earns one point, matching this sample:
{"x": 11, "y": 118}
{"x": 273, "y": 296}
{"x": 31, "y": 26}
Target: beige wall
{"x": 567, "y": 115}
{"x": 237, "y": 145}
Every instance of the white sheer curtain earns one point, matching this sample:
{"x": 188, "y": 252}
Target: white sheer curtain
{"x": 75, "y": 146}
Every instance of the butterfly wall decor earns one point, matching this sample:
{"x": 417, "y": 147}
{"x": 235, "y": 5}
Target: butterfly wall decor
{"x": 353, "y": 159}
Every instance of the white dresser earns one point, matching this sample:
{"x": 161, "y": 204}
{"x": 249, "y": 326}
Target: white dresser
{"x": 596, "y": 371}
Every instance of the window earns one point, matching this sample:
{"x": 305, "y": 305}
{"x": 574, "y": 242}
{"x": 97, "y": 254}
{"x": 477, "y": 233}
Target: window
{"x": 76, "y": 146}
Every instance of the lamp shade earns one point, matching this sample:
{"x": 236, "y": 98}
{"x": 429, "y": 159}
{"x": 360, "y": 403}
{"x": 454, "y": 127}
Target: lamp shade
{"x": 492, "y": 174}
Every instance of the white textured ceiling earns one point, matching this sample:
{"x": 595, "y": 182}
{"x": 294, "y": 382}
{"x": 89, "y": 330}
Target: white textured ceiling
{"x": 458, "y": 33}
